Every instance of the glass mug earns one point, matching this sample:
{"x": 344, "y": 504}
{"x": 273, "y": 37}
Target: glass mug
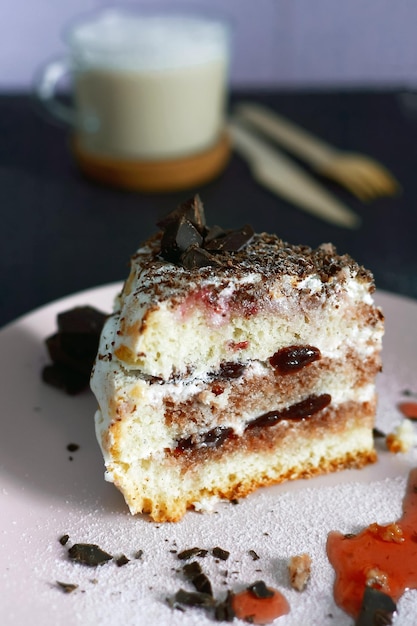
{"x": 150, "y": 90}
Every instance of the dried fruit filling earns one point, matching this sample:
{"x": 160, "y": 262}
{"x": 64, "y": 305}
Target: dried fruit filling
{"x": 217, "y": 436}
{"x": 294, "y": 358}
{"x": 285, "y": 361}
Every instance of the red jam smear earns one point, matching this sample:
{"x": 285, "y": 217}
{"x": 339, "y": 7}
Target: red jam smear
{"x": 293, "y": 358}
{"x": 248, "y": 607}
{"x": 383, "y": 557}
{"x": 409, "y": 409}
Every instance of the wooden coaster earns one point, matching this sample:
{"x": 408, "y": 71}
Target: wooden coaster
{"x": 155, "y": 176}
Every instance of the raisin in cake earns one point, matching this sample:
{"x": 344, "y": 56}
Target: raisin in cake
{"x": 234, "y": 360}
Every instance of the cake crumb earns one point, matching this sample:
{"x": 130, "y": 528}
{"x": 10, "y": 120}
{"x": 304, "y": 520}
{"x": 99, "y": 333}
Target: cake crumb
{"x": 299, "y": 568}
{"x": 402, "y": 439}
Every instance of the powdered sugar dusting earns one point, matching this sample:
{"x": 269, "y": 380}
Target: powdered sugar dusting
{"x": 276, "y": 523}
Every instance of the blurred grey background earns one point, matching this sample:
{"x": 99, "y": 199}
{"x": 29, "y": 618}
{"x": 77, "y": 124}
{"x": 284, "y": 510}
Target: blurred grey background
{"x": 278, "y": 43}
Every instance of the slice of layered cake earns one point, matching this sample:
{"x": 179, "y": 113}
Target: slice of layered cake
{"x": 234, "y": 360}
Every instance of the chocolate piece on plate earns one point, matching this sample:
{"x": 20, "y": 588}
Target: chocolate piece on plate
{"x": 88, "y": 554}
{"x": 377, "y": 608}
{"x": 65, "y": 378}
{"x": 260, "y": 590}
{"x": 80, "y": 329}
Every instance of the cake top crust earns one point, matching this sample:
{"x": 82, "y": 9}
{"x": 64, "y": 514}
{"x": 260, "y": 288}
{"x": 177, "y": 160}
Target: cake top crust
{"x": 187, "y": 254}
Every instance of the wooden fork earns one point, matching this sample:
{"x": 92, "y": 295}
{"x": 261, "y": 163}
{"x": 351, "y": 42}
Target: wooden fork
{"x": 361, "y": 175}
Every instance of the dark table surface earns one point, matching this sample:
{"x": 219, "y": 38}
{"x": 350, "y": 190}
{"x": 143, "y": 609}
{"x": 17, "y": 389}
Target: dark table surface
{"x": 61, "y": 233}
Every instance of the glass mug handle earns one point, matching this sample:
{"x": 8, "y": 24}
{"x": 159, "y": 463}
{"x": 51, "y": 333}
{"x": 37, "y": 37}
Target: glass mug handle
{"x": 46, "y": 86}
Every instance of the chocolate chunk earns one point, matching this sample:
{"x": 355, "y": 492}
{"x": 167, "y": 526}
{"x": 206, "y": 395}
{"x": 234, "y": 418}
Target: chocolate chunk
{"x": 187, "y": 240}
{"x": 377, "y": 608}
{"x": 88, "y": 554}
{"x": 177, "y": 238}
{"x": 79, "y": 329}
{"x": 65, "y": 378}
{"x": 195, "y": 257}
{"x": 187, "y": 554}
{"x": 232, "y": 241}
{"x": 82, "y": 320}
{"x": 73, "y": 349}
{"x": 192, "y": 210}
{"x": 64, "y": 540}
{"x": 81, "y": 362}
{"x": 219, "y": 553}
{"x": 214, "y": 232}
{"x": 260, "y": 590}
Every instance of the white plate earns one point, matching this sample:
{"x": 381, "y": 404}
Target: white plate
{"x": 44, "y": 495}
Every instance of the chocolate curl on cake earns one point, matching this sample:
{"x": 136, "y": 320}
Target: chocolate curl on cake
{"x": 187, "y": 241}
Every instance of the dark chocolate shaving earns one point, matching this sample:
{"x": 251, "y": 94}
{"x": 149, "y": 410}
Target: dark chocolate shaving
{"x": 224, "y": 610}
{"x": 122, "y": 560}
{"x": 187, "y": 241}
{"x": 255, "y": 557}
{"x": 192, "y": 569}
{"x": 193, "y": 598}
{"x": 73, "y": 447}
{"x": 377, "y": 608}
{"x": 67, "y": 587}
{"x": 197, "y": 577}
{"x": 64, "y": 540}
{"x": 88, "y": 554}
{"x": 187, "y": 554}
{"x": 221, "y": 554}
{"x": 202, "y": 584}
{"x": 260, "y": 590}
{"x": 378, "y": 434}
